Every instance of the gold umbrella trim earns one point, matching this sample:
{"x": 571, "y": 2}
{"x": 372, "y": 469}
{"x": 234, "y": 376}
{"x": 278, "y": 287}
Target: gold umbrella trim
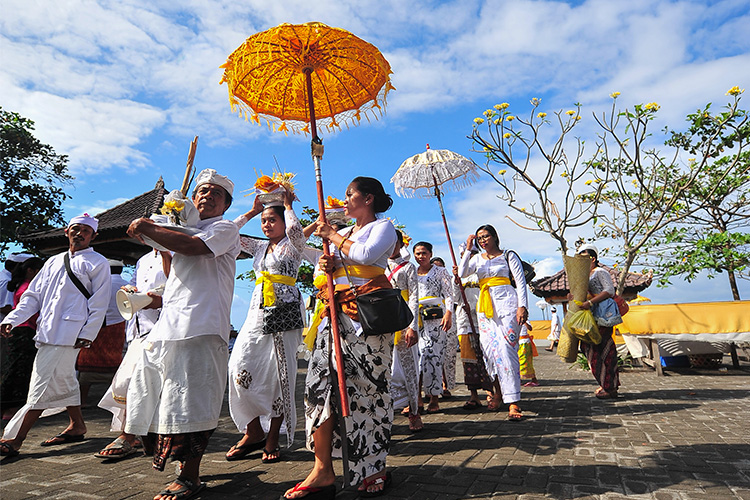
{"x": 266, "y": 74}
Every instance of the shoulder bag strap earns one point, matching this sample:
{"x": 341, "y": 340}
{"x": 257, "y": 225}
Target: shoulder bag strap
{"x": 74, "y": 278}
{"x": 396, "y": 269}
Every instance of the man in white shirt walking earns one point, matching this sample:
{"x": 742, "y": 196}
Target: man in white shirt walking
{"x": 69, "y": 319}
{"x": 177, "y": 388}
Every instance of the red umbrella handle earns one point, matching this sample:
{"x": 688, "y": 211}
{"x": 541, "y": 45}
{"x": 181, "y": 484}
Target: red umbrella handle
{"x": 332, "y": 313}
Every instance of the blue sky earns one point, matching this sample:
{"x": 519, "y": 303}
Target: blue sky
{"x": 123, "y": 86}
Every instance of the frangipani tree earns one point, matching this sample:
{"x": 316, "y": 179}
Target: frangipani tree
{"x": 649, "y": 193}
{"x": 531, "y": 156}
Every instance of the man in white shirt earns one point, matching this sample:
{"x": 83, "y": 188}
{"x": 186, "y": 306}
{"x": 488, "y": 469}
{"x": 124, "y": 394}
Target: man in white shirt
{"x": 555, "y": 327}
{"x": 177, "y": 388}
{"x": 69, "y": 319}
{"x": 151, "y": 272}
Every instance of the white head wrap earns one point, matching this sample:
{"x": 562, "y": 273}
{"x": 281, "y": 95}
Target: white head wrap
{"x": 588, "y": 246}
{"x": 85, "y": 219}
{"x": 19, "y": 257}
{"x": 209, "y": 176}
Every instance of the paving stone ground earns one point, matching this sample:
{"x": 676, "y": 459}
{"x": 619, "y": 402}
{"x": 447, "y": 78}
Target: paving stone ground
{"x": 684, "y": 436}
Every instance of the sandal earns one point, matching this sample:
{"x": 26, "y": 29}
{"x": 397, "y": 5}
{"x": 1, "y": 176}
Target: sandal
{"x": 121, "y": 445}
{"x": 472, "y": 405}
{"x": 602, "y": 394}
{"x": 385, "y": 480}
{"x": 432, "y": 409}
{"x": 63, "y": 438}
{"x": 313, "y": 492}
{"x": 514, "y": 413}
{"x": 415, "y": 423}
{"x": 244, "y": 450}
{"x": 446, "y": 394}
{"x": 531, "y": 384}
{"x": 7, "y": 450}
{"x": 187, "y": 489}
{"x": 275, "y": 451}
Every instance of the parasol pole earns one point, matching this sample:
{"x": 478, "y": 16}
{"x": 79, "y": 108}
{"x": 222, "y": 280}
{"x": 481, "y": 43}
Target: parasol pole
{"x": 466, "y": 306}
{"x": 340, "y": 380}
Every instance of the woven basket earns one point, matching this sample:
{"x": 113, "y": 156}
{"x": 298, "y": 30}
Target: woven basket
{"x": 577, "y": 268}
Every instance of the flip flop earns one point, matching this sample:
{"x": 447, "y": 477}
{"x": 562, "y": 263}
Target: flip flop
{"x": 472, "y": 405}
{"x": 187, "y": 489}
{"x": 63, "y": 439}
{"x": 531, "y": 384}
{"x": 415, "y": 423}
{"x": 7, "y": 450}
{"x": 514, "y": 413}
{"x": 314, "y": 492}
{"x": 245, "y": 450}
{"x": 384, "y": 480}
{"x": 267, "y": 460}
{"x": 126, "y": 449}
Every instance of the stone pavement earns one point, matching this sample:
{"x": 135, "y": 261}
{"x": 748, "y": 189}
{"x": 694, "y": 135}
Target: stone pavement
{"x": 682, "y": 436}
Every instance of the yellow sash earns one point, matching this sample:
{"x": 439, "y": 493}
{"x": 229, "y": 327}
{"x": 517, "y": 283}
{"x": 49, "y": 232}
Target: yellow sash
{"x": 484, "y": 305}
{"x": 366, "y": 272}
{"x": 267, "y": 280}
{"x": 397, "y": 335}
{"x": 357, "y": 271}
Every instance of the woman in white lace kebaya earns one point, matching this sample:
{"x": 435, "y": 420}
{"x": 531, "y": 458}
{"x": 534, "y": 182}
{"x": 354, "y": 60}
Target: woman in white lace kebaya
{"x": 501, "y": 311}
{"x": 263, "y": 364}
{"x": 405, "y": 371}
{"x": 364, "y": 249}
{"x": 435, "y": 311}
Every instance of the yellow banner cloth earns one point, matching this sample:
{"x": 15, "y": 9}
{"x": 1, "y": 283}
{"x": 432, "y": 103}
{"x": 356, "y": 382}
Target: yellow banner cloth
{"x": 356, "y": 271}
{"x": 267, "y": 279}
{"x": 731, "y": 320}
{"x": 484, "y": 305}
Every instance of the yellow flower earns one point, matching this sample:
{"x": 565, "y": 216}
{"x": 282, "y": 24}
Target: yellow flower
{"x": 487, "y": 149}
{"x": 588, "y": 182}
{"x": 691, "y": 160}
{"x": 541, "y": 115}
{"x": 498, "y": 121}
{"x": 564, "y": 174}
{"x": 652, "y": 106}
{"x": 506, "y": 135}
{"x": 501, "y": 172}
{"x": 614, "y": 95}
{"x": 635, "y": 183}
{"x": 535, "y": 101}
{"x": 598, "y": 181}
{"x": 478, "y": 120}
{"x": 172, "y": 206}
{"x": 488, "y": 113}
{"x": 570, "y": 112}
{"x": 735, "y": 91}
{"x": 510, "y": 118}
{"x": 504, "y": 105}
{"x": 578, "y": 117}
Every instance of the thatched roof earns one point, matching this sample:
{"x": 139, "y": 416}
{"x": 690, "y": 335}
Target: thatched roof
{"x": 557, "y": 284}
{"x": 112, "y": 240}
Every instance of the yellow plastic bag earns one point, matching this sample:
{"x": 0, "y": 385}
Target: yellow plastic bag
{"x": 582, "y": 325}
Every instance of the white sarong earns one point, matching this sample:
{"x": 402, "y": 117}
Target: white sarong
{"x": 177, "y": 386}
{"x": 53, "y": 385}
{"x": 114, "y": 400}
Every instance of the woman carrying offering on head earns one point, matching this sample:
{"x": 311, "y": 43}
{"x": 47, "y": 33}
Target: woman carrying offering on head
{"x": 602, "y": 357}
{"x": 364, "y": 249}
{"x": 501, "y": 311}
{"x": 263, "y": 363}
{"x": 435, "y": 314}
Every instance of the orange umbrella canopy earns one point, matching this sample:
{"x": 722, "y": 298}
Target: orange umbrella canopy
{"x": 265, "y": 77}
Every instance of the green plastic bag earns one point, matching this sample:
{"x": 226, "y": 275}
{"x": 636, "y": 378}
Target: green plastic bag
{"x": 582, "y": 325}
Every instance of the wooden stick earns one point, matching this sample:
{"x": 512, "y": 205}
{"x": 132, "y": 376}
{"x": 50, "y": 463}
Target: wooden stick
{"x": 189, "y": 170}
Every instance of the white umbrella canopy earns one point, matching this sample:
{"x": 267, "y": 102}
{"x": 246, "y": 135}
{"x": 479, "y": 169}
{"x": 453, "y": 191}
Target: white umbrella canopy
{"x": 421, "y": 174}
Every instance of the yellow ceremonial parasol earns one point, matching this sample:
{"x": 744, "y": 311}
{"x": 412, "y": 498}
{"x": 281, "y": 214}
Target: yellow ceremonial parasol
{"x": 291, "y": 76}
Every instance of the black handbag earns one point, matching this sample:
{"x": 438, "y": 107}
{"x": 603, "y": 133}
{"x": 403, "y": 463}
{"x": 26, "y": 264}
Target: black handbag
{"x": 281, "y": 317}
{"x": 381, "y": 311}
{"x": 431, "y": 312}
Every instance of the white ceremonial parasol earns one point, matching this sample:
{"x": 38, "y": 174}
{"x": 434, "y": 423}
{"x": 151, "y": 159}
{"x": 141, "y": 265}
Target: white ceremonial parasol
{"x": 424, "y": 175}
